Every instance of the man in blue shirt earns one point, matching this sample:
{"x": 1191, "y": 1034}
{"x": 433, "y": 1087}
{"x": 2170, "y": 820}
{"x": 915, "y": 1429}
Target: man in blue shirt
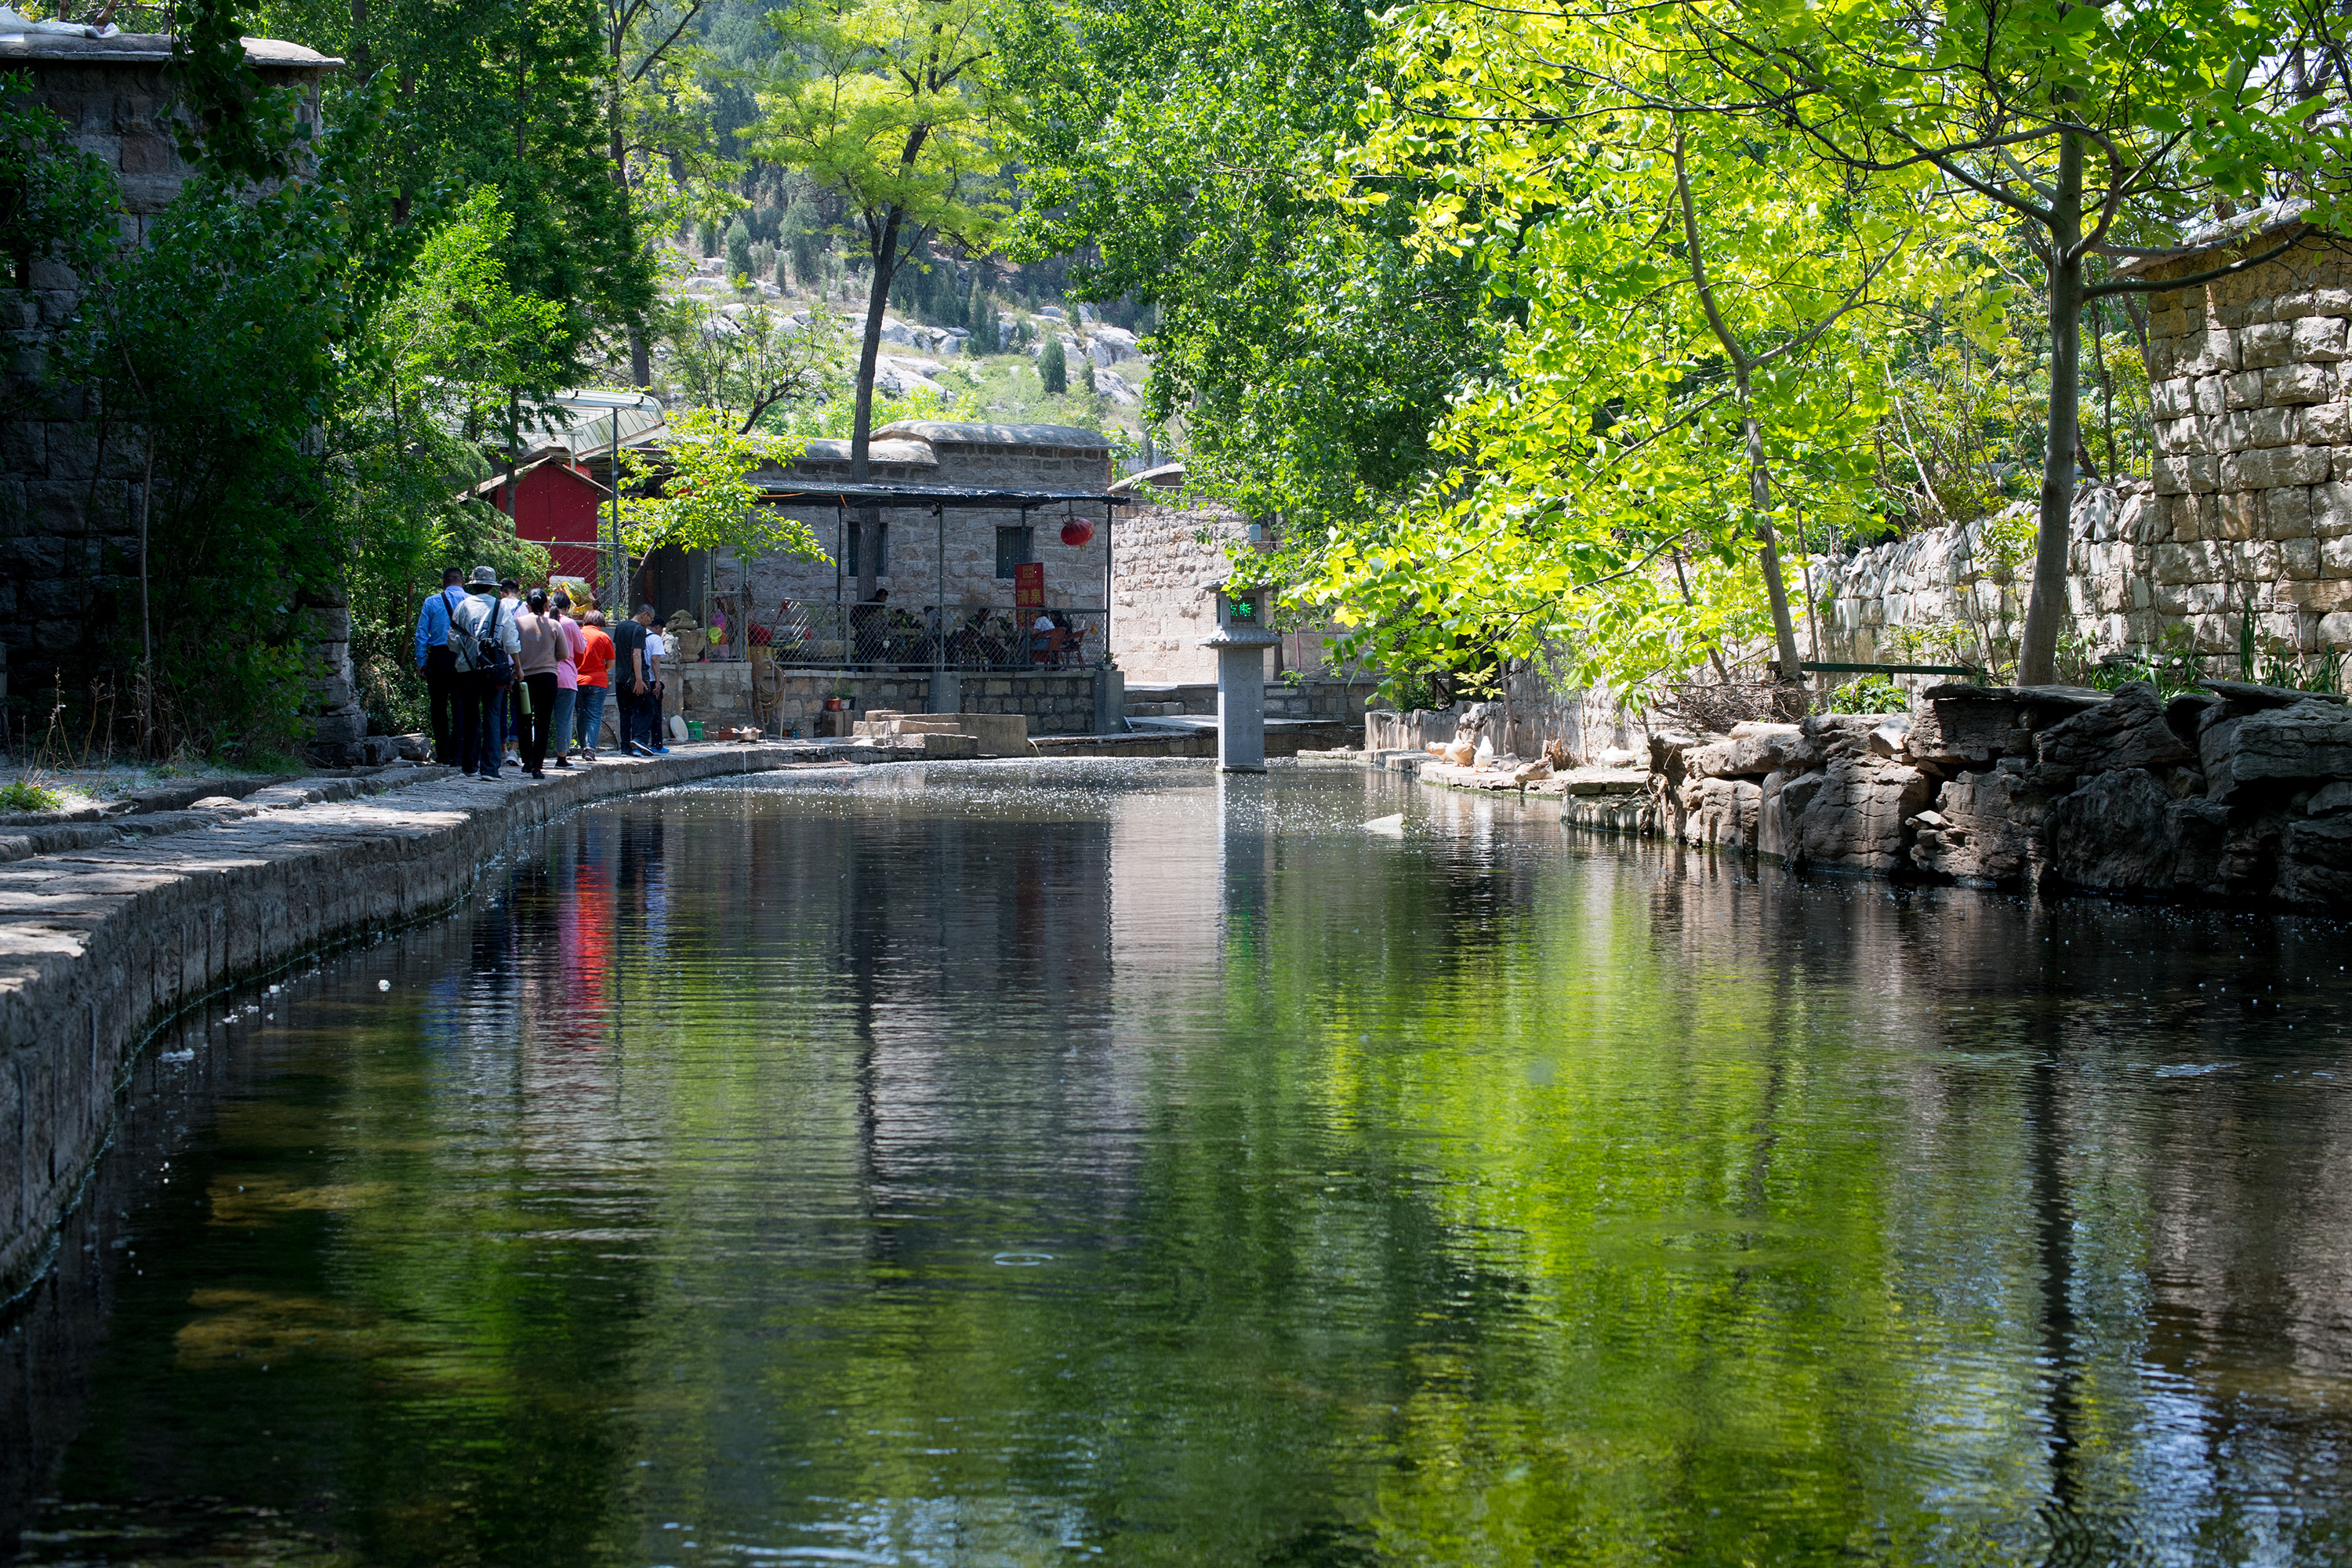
{"x": 437, "y": 664}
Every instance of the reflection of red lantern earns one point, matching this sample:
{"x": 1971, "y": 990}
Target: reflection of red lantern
{"x": 1077, "y": 531}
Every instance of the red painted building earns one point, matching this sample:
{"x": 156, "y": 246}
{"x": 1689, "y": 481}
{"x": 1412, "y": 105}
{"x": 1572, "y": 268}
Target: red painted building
{"x": 553, "y": 503}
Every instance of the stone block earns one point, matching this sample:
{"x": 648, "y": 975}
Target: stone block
{"x": 2274, "y": 466}
{"x": 2287, "y": 512}
{"x": 2237, "y": 515}
{"x": 2336, "y": 630}
{"x": 2266, "y": 344}
{"x": 2326, "y": 423}
{"x": 2268, "y": 427}
{"x": 2212, "y": 395}
{"x": 2318, "y": 338}
{"x": 2297, "y": 383}
{"x": 2243, "y": 389}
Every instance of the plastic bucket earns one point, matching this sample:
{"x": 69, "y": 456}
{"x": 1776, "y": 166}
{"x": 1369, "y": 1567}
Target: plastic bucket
{"x": 694, "y": 729}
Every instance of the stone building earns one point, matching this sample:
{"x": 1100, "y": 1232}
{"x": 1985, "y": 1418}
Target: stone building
{"x": 1170, "y": 554}
{"x": 971, "y": 552}
{"x": 2249, "y": 511}
{"x": 66, "y": 502}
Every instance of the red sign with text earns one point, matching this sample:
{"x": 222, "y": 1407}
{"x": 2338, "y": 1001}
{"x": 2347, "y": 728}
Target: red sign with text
{"x": 1029, "y": 585}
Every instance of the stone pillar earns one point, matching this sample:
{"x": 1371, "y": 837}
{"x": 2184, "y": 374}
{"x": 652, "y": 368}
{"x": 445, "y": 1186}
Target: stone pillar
{"x": 331, "y": 704}
{"x": 1110, "y": 701}
{"x": 946, "y": 693}
{"x": 1240, "y": 696}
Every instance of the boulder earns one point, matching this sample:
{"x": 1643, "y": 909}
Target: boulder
{"x": 2125, "y": 832}
{"x": 1963, "y": 729}
{"x": 1713, "y": 759}
{"x": 1858, "y": 817}
{"x": 2328, "y": 800}
{"x": 1781, "y": 800}
{"x": 2315, "y": 862}
{"x": 1985, "y": 829}
{"x": 1667, "y": 749}
{"x": 2126, "y": 731}
{"x": 2251, "y": 696}
{"x": 1960, "y": 725}
{"x": 1893, "y": 738}
{"x": 1760, "y": 749}
{"x": 2311, "y": 742}
{"x": 1721, "y": 813}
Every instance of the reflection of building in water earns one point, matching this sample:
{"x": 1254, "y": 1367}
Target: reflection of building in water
{"x": 1166, "y": 892}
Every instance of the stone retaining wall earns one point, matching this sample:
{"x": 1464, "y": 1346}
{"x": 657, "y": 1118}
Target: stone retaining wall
{"x": 99, "y": 945}
{"x": 1058, "y": 703}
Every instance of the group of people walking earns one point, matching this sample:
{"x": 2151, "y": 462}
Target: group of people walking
{"x": 500, "y": 664}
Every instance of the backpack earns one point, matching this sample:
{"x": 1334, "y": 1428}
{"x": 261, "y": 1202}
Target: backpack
{"x": 482, "y": 654}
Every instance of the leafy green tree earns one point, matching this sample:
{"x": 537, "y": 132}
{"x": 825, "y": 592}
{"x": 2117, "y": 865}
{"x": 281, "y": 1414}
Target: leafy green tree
{"x": 514, "y": 94}
{"x": 1053, "y": 365}
{"x": 1189, "y": 154}
{"x": 884, "y": 110}
{"x": 803, "y": 239}
{"x": 738, "y": 251}
{"x": 756, "y": 363}
{"x": 698, "y": 493}
{"x": 2092, "y": 132}
{"x": 980, "y": 315}
{"x": 443, "y": 353}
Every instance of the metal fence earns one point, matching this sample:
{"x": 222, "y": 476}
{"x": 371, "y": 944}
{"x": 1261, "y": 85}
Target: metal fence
{"x": 977, "y": 637}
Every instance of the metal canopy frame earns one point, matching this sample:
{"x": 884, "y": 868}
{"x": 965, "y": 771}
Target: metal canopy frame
{"x": 939, "y": 500}
{"x": 921, "y": 496}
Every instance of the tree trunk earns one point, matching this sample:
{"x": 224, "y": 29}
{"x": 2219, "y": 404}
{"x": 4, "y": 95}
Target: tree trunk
{"x": 146, "y": 619}
{"x": 1759, "y": 496}
{"x": 2046, "y": 611}
{"x": 861, "y": 431}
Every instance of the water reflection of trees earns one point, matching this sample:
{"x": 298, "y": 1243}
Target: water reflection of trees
{"x": 1476, "y": 1198}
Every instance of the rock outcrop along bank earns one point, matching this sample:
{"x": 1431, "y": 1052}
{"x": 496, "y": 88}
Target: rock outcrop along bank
{"x": 2232, "y": 791}
{"x": 104, "y": 940}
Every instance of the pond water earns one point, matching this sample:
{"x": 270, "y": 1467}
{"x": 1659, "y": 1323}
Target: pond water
{"x": 1013, "y": 1164}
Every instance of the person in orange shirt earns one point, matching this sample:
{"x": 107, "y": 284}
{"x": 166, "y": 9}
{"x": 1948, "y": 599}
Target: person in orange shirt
{"x": 596, "y": 681}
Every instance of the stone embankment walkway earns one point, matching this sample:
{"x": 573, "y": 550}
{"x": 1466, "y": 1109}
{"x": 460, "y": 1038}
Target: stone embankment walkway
{"x": 110, "y": 926}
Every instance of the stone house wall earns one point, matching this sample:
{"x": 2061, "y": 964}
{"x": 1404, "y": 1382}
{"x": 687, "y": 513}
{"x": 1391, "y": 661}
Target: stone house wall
{"x": 952, "y": 454}
{"x": 66, "y": 501}
{"x": 2251, "y": 501}
{"x": 740, "y": 691}
{"x": 1170, "y": 554}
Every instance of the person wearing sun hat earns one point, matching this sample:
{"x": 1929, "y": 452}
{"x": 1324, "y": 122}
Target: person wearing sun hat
{"x": 483, "y": 633}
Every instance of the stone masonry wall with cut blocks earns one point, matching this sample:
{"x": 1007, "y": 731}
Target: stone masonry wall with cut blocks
{"x": 2250, "y": 505}
{"x": 67, "y": 518}
{"x": 781, "y": 699}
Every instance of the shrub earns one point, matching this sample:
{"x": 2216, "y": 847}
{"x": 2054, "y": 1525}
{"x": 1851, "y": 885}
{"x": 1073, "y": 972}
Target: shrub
{"x": 738, "y": 251}
{"x": 1870, "y": 694}
{"x": 1053, "y": 367}
{"x": 24, "y": 794}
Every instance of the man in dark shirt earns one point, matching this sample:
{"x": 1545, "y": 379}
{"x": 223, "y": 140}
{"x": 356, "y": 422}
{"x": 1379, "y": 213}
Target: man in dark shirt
{"x": 633, "y": 686}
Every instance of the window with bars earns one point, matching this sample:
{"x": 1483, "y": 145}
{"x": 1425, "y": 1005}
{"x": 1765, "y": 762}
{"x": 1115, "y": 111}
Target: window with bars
{"x": 1014, "y": 547}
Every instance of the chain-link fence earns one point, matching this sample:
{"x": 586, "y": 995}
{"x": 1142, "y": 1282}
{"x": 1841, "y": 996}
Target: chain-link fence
{"x": 977, "y": 637}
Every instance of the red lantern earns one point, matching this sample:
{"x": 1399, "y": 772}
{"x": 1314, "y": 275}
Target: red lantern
{"x": 1077, "y": 531}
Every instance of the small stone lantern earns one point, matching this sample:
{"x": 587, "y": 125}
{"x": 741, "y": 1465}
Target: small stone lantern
{"x": 1242, "y": 638}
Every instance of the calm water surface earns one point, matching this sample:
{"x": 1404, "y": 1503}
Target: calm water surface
{"x": 1035, "y": 1165}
